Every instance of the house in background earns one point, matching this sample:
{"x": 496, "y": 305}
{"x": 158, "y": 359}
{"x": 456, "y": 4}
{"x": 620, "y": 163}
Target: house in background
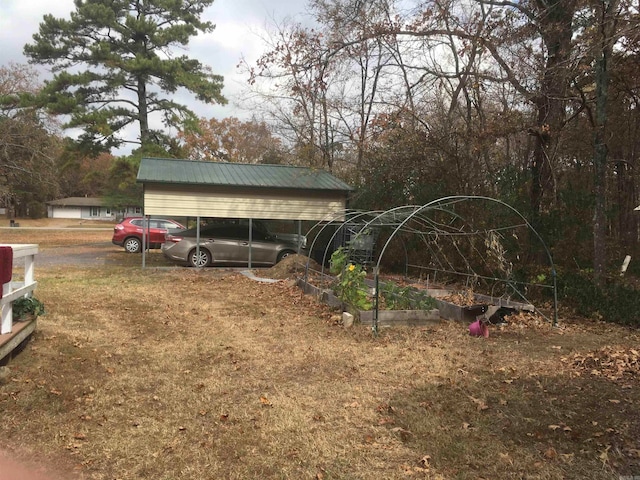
{"x": 87, "y": 208}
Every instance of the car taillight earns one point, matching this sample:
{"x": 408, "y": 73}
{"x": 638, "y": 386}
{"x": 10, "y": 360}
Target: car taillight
{"x": 118, "y": 227}
{"x": 172, "y": 238}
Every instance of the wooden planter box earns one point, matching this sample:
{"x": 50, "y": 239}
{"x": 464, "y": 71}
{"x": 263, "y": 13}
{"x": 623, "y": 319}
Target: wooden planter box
{"x": 386, "y": 318}
{"x": 392, "y": 318}
{"x": 446, "y": 310}
{"x": 324, "y": 295}
{"x": 468, "y": 313}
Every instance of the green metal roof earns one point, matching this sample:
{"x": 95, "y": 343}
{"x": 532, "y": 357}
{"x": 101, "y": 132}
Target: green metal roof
{"x": 164, "y": 170}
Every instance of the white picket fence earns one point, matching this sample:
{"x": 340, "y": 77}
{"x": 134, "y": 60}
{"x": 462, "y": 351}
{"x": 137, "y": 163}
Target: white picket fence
{"x": 16, "y": 289}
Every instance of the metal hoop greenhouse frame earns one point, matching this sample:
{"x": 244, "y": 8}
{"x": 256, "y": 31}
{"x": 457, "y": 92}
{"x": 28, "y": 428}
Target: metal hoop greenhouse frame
{"x": 400, "y": 219}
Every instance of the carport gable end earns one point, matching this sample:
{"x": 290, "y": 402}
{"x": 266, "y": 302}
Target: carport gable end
{"x": 187, "y": 188}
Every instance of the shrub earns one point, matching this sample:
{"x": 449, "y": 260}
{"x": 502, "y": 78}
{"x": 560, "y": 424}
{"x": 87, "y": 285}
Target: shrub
{"x": 36, "y": 210}
{"x": 613, "y": 301}
{"x": 25, "y": 306}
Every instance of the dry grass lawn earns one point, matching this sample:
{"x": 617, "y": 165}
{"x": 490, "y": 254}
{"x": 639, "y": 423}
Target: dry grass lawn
{"x": 184, "y": 374}
{"x": 56, "y": 232}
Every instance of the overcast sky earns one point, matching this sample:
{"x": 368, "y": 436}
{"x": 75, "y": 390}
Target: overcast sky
{"x": 238, "y": 27}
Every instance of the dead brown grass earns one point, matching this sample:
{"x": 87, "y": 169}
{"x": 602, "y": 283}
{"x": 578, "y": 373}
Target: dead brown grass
{"x": 58, "y": 223}
{"x": 57, "y": 238}
{"x": 178, "y": 373}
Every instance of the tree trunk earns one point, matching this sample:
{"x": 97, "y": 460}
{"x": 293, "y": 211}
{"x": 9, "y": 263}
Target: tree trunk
{"x": 600, "y": 188}
{"x": 603, "y": 54}
{"x": 556, "y": 33}
{"x": 143, "y": 113}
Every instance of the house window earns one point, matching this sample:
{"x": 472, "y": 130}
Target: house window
{"x": 138, "y": 209}
{"x": 95, "y": 211}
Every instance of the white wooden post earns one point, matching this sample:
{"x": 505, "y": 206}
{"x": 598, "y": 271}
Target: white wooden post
{"x": 625, "y": 265}
{"x": 9, "y": 293}
{"x": 29, "y": 267}
{"x": 7, "y": 311}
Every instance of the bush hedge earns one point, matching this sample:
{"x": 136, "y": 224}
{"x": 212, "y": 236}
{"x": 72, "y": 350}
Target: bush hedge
{"x": 615, "y": 300}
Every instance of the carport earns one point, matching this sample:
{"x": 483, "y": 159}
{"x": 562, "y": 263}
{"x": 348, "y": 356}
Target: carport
{"x": 187, "y": 188}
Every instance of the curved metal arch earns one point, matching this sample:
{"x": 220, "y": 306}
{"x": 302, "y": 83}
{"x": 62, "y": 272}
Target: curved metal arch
{"x": 349, "y": 220}
{"x": 379, "y": 216}
{"x": 386, "y": 212}
{"x": 330, "y": 219}
{"x": 457, "y": 199}
{"x": 327, "y": 220}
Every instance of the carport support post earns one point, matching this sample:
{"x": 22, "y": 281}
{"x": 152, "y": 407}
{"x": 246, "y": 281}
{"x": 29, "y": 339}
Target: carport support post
{"x": 145, "y": 223}
{"x": 299, "y": 222}
{"x": 376, "y": 299}
{"x": 197, "y": 239}
{"x": 250, "y": 239}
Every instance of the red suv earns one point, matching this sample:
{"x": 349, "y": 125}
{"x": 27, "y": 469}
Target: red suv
{"x": 128, "y": 233}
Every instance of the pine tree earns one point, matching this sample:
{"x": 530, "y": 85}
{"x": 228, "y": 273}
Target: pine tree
{"x": 113, "y": 67}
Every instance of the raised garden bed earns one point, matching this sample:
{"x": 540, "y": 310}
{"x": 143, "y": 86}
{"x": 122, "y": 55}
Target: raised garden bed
{"x": 386, "y": 318}
{"x": 447, "y": 303}
{"x": 411, "y": 318}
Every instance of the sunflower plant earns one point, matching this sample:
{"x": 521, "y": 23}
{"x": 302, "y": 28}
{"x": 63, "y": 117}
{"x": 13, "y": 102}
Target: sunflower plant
{"x": 351, "y": 287}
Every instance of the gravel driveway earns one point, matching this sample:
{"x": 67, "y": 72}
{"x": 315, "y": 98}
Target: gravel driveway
{"x": 86, "y": 255}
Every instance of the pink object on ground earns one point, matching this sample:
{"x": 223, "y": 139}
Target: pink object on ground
{"x": 478, "y": 329}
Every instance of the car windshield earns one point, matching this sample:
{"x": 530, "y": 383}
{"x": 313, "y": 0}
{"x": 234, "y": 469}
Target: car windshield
{"x": 238, "y": 232}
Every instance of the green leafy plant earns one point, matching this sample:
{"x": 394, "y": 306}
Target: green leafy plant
{"x": 338, "y": 261}
{"x": 397, "y": 297}
{"x": 541, "y": 278}
{"x": 27, "y": 306}
{"x": 351, "y": 287}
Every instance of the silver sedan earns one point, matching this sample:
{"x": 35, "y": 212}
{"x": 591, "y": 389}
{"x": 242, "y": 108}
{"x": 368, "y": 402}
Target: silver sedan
{"x": 226, "y": 245}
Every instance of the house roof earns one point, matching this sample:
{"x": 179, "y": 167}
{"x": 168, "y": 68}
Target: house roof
{"x": 162, "y": 170}
{"x": 78, "y": 202}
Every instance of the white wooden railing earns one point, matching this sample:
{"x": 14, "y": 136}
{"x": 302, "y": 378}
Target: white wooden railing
{"x": 14, "y": 290}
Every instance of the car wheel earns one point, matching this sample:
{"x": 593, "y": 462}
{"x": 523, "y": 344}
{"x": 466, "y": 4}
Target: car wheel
{"x": 132, "y": 245}
{"x": 283, "y": 255}
{"x": 202, "y": 259}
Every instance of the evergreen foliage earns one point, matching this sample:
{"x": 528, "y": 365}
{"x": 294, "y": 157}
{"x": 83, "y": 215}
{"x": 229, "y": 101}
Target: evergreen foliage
{"x": 113, "y": 67}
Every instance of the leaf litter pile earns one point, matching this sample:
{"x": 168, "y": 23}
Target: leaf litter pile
{"x": 616, "y": 364}
{"x": 463, "y": 298}
{"x": 191, "y": 374}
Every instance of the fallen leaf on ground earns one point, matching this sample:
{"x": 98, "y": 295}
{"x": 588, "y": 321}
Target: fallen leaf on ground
{"x": 480, "y": 404}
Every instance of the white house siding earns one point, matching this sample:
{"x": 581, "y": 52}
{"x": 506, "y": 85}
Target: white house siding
{"x": 87, "y": 208}
{"x": 85, "y": 213}
{"x": 97, "y": 213}
{"x": 55, "y": 211}
{"x": 271, "y": 204}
